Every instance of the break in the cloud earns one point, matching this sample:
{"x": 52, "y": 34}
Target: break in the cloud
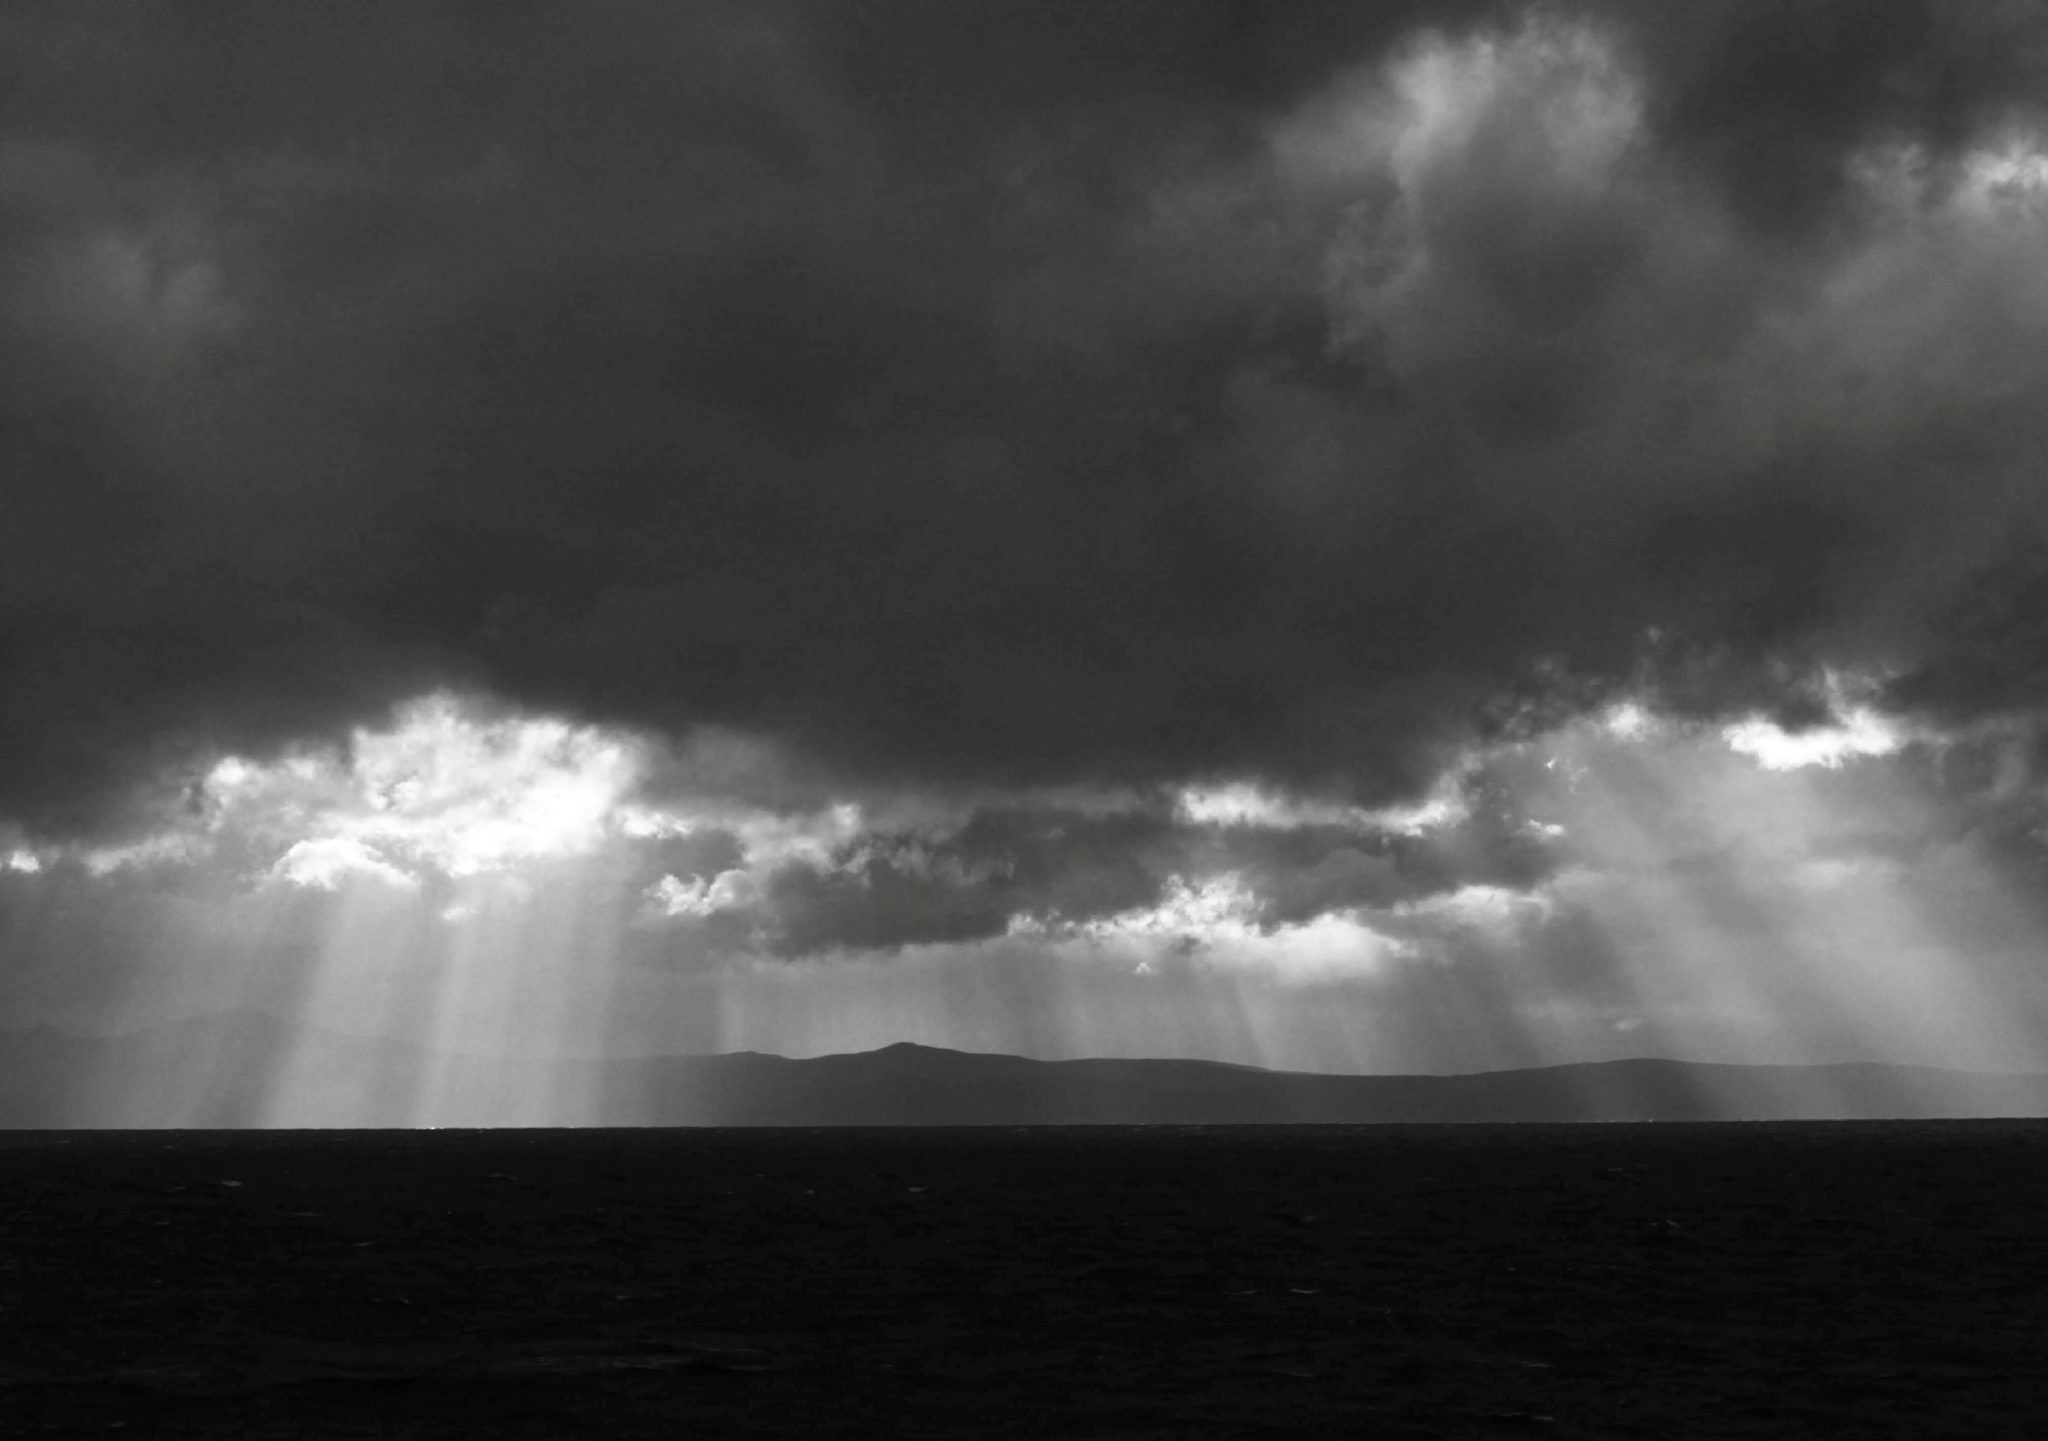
{"x": 1166, "y": 481}
{"x": 489, "y": 881}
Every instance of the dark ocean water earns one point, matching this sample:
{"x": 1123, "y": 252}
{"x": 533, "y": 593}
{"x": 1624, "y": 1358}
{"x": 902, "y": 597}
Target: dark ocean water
{"x": 1794, "y": 1278}
{"x": 1799, "y": 1142}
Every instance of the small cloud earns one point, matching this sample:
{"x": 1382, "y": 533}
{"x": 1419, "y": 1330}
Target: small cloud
{"x": 1627, "y": 721}
{"x": 1243, "y": 804}
{"x": 729, "y": 890}
{"x": 1486, "y": 908}
{"x": 331, "y": 861}
{"x": 159, "y": 850}
{"x": 1200, "y": 910}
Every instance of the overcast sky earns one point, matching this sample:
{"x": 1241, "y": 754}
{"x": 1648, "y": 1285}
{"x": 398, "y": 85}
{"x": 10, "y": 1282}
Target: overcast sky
{"x": 1413, "y": 536}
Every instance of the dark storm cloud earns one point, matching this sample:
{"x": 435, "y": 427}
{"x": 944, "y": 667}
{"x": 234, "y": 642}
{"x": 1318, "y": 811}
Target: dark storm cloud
{"x": 999, "y": 394}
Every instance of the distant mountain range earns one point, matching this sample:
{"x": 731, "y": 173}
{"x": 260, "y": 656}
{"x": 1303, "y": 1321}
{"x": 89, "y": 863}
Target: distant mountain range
{"x": 251, "y": 1069}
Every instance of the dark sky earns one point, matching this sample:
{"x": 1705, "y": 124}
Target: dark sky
{"x": 953, "y": 406}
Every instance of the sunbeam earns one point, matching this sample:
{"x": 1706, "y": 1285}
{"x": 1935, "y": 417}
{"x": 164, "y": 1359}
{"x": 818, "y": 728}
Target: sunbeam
{"x": 1766, "y": 901}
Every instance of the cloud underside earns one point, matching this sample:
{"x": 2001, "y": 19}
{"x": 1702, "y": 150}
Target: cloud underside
{"x": 1178, "y": 395}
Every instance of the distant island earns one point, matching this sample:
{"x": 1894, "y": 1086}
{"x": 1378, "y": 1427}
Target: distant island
{"x": 225, "y": 1072}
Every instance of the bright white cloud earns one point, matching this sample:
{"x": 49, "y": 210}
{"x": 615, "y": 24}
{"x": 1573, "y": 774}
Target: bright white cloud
{"x": 442, "y": 791}
{"x": 1217, "y": 918}
{"x": 1496, "y": 909}
{"x": 698, "y": 896}
{"x": 1243, "y": 804}
{"x": 467, "y": 796}
{"x": 1860, "y": 732}
{"x": 1626, "y": 721}
{"x": 330, "y": 862}
{"x": 1221, "y": 904}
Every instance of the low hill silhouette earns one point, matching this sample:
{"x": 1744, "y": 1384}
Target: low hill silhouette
{"x": 217, "y": 1072}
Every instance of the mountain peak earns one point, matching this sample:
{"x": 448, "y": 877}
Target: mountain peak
{"x": 914, "y": 1048}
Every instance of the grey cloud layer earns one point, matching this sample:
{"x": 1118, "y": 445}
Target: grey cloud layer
{"x": 1058, "y": 870}
{"x": 1069, "y": 397}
